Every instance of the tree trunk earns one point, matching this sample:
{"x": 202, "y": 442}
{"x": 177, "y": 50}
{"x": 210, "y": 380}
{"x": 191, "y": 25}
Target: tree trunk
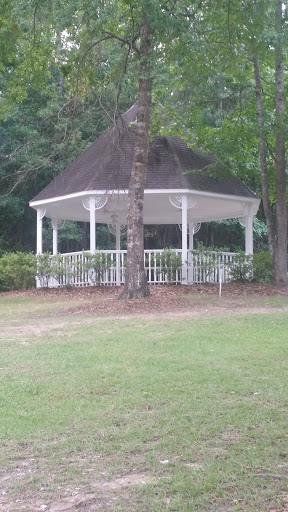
{"x": 280, "y": 274}
{"x": 135, "y": 277}
{"x": 263, "y": 161}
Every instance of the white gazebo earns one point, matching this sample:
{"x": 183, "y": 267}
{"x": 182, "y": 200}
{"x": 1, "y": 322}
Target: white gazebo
{"x": 94, "y": 187}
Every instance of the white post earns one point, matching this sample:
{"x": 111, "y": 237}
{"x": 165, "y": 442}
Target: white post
{"x": 184, "y": 239}
{"x": 249, "y": 234}
{"x": 117, "y": 253}
{"x": 117, "y": 236}
{"x": 55, "y": 235}
{"x": 92, "y": 225}
{"x": 191, "y": 236}
{"x": 190, "y": 256}
{"x": 40, "y": 216}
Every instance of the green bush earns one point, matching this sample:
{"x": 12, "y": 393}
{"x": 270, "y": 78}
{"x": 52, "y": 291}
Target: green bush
{"x": 262, "y": 267}
{"x": 247, "y": 267}
{"x": 17, "y": 271}
{"x": 63, "y": 270}
{"x": 96, "y": 266}
{"x": 205, "y": 262}
{"x": 56, "y": 267}
{"x": 44, "y": 268}
{"x": 165, "y": 264}
{"x": 242, "y": 268}
{"x": 170, "y": 262}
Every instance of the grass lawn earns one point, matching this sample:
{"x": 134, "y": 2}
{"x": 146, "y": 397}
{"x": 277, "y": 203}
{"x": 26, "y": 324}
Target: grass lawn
{"x": 142, "y": 413}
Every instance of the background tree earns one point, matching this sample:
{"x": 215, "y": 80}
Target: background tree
{"x": 76, "y": 56}
{"x": 237, "y": 107}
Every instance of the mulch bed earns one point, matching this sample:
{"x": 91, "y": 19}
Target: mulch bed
{"x": 170, "y": 298}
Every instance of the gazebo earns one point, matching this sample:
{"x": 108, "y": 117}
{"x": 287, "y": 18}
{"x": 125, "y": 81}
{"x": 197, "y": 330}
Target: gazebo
{"x": 93, "y": 188}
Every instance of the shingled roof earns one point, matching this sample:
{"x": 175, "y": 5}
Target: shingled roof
{"x": 107, "y": 163}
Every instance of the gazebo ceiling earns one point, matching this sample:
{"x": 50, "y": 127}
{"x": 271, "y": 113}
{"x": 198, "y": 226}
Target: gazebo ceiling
{"x": 105, "y": 168}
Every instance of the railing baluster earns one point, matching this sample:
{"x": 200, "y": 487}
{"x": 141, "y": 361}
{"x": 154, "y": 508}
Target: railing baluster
{"x": 204, "y": 267}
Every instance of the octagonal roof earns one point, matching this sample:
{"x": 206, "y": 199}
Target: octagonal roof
{"x": 105, "y": 168}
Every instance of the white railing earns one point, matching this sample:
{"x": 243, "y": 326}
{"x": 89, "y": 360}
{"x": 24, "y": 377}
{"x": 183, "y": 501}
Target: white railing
{"x": 84, "y": 269}
{"x": 162, "y": 266}
{"x": 206, "y": 266}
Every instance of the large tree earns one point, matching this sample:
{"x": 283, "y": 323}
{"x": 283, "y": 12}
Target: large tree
{"x": 277, "y": 226}
{"x": 237, "y": 104}
{"x": 135, "y": 277}
{"x": 258, "y": 33}
{"x": 238, "y": 46}
{"x": 91, "y": 45}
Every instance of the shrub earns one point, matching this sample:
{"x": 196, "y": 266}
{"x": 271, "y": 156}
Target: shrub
{"x": 96, "y": 265}
{"x": 262, "y": 267}
{"x": 17, "y": 271}
{"x": 241, "y": 268}
{"x": 56, "y": 267}
{"x": 170, "y": 262}
{"x": 165, "y": 264}
{"x": 247, "y": 267}
{"x": 44, "y": 268}
{"x": 63, "y": 270}
{"x": 205, "y": 262}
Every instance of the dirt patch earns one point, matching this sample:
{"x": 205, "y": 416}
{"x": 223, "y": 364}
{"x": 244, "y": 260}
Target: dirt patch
{"x": 24, "y": 468}
{"x": 97, "y": 495}
{"x": 100, "y": 492}
{"x": 231, "y": 436}
{"x": 30, "y": 329}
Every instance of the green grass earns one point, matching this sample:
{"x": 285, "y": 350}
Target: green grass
{"x": 198, "y": 405}
{"x": 18, "y": 311}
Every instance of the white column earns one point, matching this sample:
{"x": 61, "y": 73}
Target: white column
{"x": 191, "y": 236}
{"x": 249, "y": 234}
{"x": 190, "y": 248}
{"x": 40, "y": 215}
{"x": 117, "y": 225}
{"x": 55, "y": 235}
{"x": 184, "y": 239}
{"x": 117, "y": 253}
{"x": 92, "y": 225}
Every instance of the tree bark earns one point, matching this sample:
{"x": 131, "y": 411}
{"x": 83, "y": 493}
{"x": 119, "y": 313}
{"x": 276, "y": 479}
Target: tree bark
{"x": 277, "y": 230}
{"x": 263, "y": 160}
{"x": 280, "y": 274}
{"x": 135, "y": 277}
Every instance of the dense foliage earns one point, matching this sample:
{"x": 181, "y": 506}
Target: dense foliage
{"x": 67, "y": 69}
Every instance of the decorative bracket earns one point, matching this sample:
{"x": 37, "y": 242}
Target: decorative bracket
{"x": 195, "y": 227}
{"x": 58, "y": 223}
{"x": 113, "y": 224}
{"x": 112, "y": 229}
{"x": 176, "y": 201}
{"x": 99, "y": 202}
{"x": 41, "y": 213}
{"x": 242, "y": 221}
